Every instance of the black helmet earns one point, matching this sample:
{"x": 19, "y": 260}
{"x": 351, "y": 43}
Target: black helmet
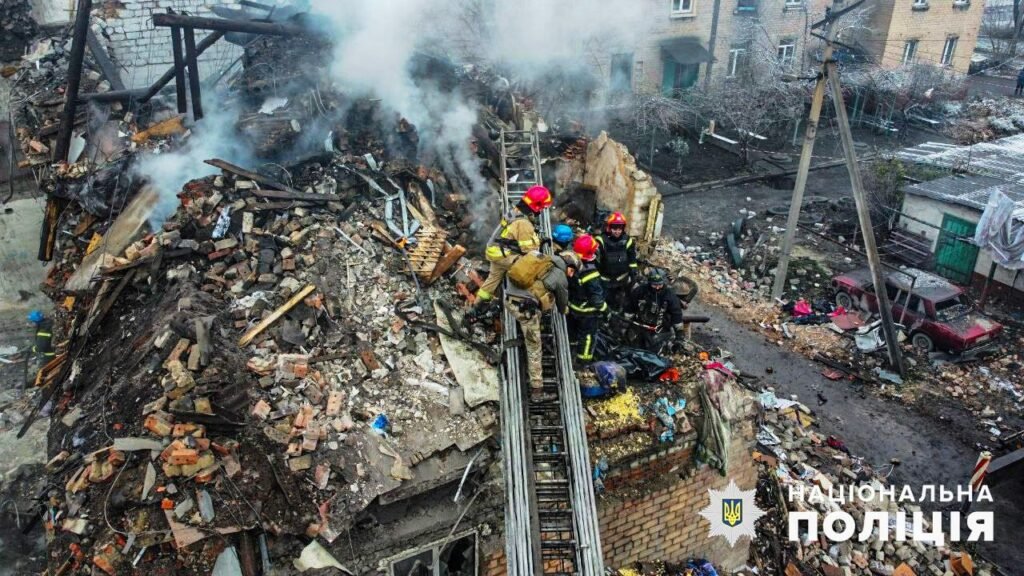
{"x": 655, "y": 277}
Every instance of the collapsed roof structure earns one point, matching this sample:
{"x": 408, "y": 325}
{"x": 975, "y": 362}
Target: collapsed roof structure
{"x": 247, "y": 351}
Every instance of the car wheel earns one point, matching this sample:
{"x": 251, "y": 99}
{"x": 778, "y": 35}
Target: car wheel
{"x": 922, "y": 342}
{"x": 844, "y": 300}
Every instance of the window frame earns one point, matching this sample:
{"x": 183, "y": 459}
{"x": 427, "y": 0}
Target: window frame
{"x": 752, "y": 8}
{"x": 619, "y": 58}
{"x": 733, "y": 66}
{"x": 680, "y": 13}
{"x": 786, "y": 60}
{"x": 911, "y": 44}
{"x": 436, "y": 550}
{"x": 949, "y": 45}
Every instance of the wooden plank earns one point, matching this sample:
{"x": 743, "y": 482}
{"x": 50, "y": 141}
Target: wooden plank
{"x": 269, "y": 320}
{"x": 99, "y": 55}
{"x": 446, "y": 262}
{"x": 296, "y": 195}
{"x": 258, "y": 178}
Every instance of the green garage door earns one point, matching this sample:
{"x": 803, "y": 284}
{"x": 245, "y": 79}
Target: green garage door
{"x": 954, "y": 255}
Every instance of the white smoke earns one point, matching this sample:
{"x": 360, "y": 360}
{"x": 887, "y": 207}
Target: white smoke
{"x": 212, "y": 137}
{"x": 375, "y": 42}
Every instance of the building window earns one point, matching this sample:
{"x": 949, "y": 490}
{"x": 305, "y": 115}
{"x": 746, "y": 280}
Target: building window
{"x": 458, "y": 556}
{"x": 794, "y": 3}
{"x": 746, "y": 6}
{"x": 948, "y": 49}
{"x": 682, "y": 7}
{"x": 909, "y": 52}
{"x": 621, "y": 73}
{"x": 737, "y": 60}
{"x": 787, "y": 52}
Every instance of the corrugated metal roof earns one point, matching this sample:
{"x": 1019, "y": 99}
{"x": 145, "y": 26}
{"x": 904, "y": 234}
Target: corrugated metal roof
{"x": 996, "y": 165}
{"x": 970, "y": 191}
{"x": 1002, "y": 158}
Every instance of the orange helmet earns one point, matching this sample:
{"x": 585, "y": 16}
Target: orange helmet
{"x": 537, "y": 198}
{"x": 585, "y": 247}
{"x": 616, "y": 220}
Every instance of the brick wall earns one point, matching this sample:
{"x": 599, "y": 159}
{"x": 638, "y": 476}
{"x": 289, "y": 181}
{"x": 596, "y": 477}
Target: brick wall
{"x": 895, "y": 22}
{"x": 773, "y": 21}
{"x": 658, "y": 25}
{"x": 142, "y": 52}
{"x": 650, "y": 510}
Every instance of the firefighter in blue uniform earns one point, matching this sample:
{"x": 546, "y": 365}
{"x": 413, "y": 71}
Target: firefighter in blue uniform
{"x": 586, "y": 298}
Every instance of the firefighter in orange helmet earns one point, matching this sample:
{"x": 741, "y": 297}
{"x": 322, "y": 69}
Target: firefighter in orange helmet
{"x": 617, "y": 260}
{"x": 586, "y": 298}
{"x": 515, "y": 235}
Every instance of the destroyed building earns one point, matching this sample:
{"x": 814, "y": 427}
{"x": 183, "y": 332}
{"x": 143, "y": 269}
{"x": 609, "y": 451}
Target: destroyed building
{"x": 251, "y": 359}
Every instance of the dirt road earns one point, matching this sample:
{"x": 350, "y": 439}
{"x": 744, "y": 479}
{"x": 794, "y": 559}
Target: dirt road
{"x": 930, "y": 450}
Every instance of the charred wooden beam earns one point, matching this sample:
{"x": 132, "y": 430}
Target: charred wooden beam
{"x": 78, "y": 42}
{"x": 179, "y": 69}
{"x": 143, "y": 95}
{"x": 258, "y": 178}
{"x": 54, "y": 205}
{"x": 192, "y": 59}
{"x": 107, "y": 67}
{"x": 224, "y": 25}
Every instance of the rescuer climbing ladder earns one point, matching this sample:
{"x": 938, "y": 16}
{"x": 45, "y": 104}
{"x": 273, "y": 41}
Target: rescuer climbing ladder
{"x": 550, "y": 510}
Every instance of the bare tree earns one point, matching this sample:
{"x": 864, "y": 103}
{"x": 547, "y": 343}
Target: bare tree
{"x": 756, "y": 103}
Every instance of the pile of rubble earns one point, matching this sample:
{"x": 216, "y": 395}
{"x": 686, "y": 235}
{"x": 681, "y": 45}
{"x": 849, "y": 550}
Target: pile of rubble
{"x": 796, "y": 459}
{"x": 993, "y": 390}
{"x": 283, "y": 314}
{"x": 17, "y": 28}
{"x": 273, "y": 359}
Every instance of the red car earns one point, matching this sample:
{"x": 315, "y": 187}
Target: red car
{"x": 937, "y": 314}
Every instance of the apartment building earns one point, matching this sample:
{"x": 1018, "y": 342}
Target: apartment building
{"x": 681, "y": 47}
{"x": 691, "y": 42}
{"x": 771, "y": 36}
{"x": 935, "y": 32}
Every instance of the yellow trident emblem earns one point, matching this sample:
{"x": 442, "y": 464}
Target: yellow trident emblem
{"x": 732, "y": 511}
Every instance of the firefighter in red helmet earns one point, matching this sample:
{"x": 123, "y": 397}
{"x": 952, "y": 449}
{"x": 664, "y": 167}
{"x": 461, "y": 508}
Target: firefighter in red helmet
{"x": 515, "y": 235}
{"x": 586, "y": 298}
{"x": 617, "y": 260}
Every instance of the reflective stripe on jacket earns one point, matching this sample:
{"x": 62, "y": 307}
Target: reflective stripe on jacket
{"x": 586, "y": 295}
{"x": 512, "y": 229}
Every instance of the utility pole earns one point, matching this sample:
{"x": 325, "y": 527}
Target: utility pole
{"x": 864, "y": 219}
{"x": 829, "y": 74}
{"x": 804, "y": 167}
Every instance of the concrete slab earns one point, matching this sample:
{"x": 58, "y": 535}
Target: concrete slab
{"x": 20, "y": 272}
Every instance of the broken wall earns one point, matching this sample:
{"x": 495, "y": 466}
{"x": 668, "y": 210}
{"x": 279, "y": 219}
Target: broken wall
{"x": 610, "y": 170}
{"x": 650, "y": 509}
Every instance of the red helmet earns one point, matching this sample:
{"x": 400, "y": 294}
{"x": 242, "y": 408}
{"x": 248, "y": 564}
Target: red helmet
{"x": 616, "y": 220}
{"x": 537, "y": 198}
{"x": 585, "y": 247}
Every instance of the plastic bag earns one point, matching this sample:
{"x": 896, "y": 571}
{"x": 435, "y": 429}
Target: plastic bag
{"x": 610, "y": 375}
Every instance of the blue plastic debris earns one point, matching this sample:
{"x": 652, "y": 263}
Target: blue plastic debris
{"x": 381, "y": 424}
